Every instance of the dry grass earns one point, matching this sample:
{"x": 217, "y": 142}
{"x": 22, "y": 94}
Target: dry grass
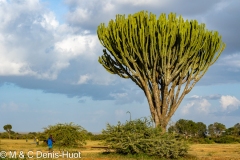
{"x": 21, "y": 145}
{"x": 216, "y": 151}
{"x": 94, "y": 143}
{"x": 197, "y": 151}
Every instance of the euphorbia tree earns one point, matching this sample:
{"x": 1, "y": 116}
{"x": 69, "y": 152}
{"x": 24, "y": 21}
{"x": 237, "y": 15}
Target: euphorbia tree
{"x": 164, "y": 56}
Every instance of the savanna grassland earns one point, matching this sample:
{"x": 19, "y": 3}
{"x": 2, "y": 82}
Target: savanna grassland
{"x": 196, "y": 151}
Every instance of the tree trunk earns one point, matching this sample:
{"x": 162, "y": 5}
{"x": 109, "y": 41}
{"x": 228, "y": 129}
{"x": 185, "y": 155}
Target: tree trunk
{"x": 157, "y": 110}
{"x": 159, "y": 120}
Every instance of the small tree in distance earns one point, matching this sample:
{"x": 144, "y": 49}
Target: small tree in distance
{"x": 189, "y": 128}
{"x": 237, "y": 128}
{"x": 216, "y": 129}
{"x": 8, "y": 129}
{"x": 164, "y": 56}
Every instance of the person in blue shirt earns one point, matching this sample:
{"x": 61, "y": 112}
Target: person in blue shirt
{"x": 50, "y": 142}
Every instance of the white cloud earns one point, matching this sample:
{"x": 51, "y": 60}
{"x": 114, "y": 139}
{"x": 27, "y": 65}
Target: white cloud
{"x": 213, "y": 96}
{"x": 195, "y": 97}
{"x": 76, "y": 45}
{"x": 8, "y": 67}
{"x": 80, "y": 14}
{"x": 186, "y": 108}
{"x": 33, "y": 43}
{"x": 232, "y": 62}
{"x": 48, "y": 21}
{"x": 119, "y": 95}
{"x": 128, "y": 96}
{"x": 204, "y": 106}
{"x": 209, "y": 97}
{"x": 24, "y": 35}
{"x": 107, "y": 79}
{"x": 108, "y": 7}
{"x": 229, "y": 103}
{"x": 198, "y": 104}
{"x": 84, "y": 79}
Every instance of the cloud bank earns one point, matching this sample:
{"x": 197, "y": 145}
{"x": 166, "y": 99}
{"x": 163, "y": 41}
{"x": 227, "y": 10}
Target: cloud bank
{"x": 62, "y": 57}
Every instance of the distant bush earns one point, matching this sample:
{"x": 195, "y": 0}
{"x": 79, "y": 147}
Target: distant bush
{"x": 31, "y": 135}
{"x": 227, "y": 139}
{"x": 97, "y": 137}
{"x": 140, "y": 137}
{"x": 209, "y": 140}
{"x": 4, "y": 135}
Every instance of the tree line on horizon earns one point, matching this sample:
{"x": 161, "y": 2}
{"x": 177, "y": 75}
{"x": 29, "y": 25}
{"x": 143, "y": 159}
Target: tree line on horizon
{"x": 190, "y": 128}
{"x": 187, "y": 128}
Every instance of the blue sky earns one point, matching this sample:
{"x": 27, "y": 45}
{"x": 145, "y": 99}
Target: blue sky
{"x": 49, "y": 71}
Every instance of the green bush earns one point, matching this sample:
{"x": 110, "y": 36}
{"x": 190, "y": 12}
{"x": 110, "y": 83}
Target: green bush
{"x": 67, "y": 135}
{"x": 227, "y": 139}
{"x": 196, "y": 140}
{"x": 141, "y": 137}
{"x": 97, "y": 137}
{"x": 199, "y": 140}
{"x": 4, "y": 135}
{"x": 209, "y": 140}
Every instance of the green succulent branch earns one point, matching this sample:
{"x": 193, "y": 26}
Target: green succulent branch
{"x": 164, "y": 56}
